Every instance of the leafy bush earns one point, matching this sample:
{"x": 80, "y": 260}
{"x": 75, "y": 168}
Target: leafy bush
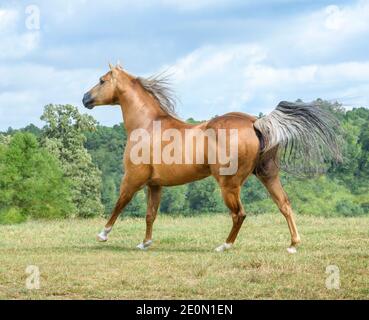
{"x": 12, "y": 216}
{"x": 174, "y": 200}
{"x": 365, "y": 207}
{"x": 137, "y": 206}
{"x": 32, "y": 182}
{"x": 349, "y": 208}
{"x": 204, "y": 196}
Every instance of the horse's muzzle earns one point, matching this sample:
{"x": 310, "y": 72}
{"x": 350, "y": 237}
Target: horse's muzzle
{"x": 88, "y": 101}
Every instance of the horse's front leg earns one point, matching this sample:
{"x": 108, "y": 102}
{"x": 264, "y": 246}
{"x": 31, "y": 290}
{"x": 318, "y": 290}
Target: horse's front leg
{"x": 127, "y": 191}
{"x": 153, "y": 202}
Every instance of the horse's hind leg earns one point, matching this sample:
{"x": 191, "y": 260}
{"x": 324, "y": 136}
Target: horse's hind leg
{"x": 279, "y": 196}
{"x": 153, "y": 201}
{"x": 231, "y": 196}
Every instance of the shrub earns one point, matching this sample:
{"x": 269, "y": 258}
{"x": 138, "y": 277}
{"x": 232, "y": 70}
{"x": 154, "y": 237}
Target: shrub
{"x": 348, "y": 208}
{"x": 173, "y": 200}
{"x": 32, "y": 181}
{"x": 12, "y": 215}
{"x": 137, "y": 206}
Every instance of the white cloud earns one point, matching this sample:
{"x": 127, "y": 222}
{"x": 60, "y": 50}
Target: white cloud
{"x": 66, "y": 9}
{"x": 15, "y": 44}
{"x": 347, "y": 19}
{"x": 215, "y": 80}
{"x": 18, "y": 106}
{"x": 211, "y": 77}
{"x": 298, "y": 56}
{"x": 8, "y": 19}
{"x": 212, "y": 59}
{"x": 190, "y": 5}
{"x": 330, "y": 28}
{"x": 28, "y": 88}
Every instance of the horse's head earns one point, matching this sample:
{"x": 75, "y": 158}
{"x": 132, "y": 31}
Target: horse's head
{"x": 106, "y": 91}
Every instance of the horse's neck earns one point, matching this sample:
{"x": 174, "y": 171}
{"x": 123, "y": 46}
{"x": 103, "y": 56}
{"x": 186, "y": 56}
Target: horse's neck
{"x": 138, "y": 109}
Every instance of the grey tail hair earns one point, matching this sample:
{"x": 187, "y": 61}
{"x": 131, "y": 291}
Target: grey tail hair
{"x": 303, "y": 135}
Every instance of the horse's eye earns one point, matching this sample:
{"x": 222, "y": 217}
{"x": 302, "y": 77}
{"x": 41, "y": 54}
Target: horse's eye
{"x": 102, "y": 81}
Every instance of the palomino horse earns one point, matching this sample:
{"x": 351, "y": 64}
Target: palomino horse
{"x": 296, "y": 127}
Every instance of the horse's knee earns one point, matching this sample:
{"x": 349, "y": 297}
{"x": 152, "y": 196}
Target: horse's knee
{"x": 150, "y": 218}
{"x": 239, "y": 216}
{"x": 151, "y": 215}
{"x": 286, "y": 209}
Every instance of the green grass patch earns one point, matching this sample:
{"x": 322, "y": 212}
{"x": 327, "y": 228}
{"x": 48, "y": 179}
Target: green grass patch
{"x": 182, "y": 263}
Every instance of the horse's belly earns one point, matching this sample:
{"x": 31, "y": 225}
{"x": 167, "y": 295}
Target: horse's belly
{"x": 173, "y": 175}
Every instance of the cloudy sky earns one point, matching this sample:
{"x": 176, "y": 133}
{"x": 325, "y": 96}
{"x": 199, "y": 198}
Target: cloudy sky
{"x": 224, "y": 55}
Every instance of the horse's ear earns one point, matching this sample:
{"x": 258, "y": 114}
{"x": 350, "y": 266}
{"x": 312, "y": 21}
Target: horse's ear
{"x": 111, "y": 66}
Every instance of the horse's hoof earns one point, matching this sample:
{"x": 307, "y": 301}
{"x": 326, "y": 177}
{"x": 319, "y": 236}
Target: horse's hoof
{"x": 224, "y": 247}
{"x": 144, "y": 245}
{"x": 291, "y": 250}
{"x": 102, "y": 237}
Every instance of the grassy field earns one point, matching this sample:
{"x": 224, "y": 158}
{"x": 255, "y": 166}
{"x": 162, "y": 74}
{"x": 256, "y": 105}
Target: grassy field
{"x": 182, "y": 263}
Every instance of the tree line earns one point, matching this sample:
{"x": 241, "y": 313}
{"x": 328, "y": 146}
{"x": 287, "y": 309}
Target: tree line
{"x": 72, "y": 167}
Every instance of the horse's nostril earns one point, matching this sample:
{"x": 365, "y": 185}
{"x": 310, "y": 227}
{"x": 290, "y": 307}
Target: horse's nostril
{"x": 86, "y": 97}
{"x": 87, "y": 100}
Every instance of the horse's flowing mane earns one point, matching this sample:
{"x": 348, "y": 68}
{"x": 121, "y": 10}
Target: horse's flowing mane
{"x": 159, "y": 87}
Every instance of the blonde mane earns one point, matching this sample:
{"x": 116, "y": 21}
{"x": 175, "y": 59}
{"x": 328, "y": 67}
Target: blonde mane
{"x": 159, "y": 87}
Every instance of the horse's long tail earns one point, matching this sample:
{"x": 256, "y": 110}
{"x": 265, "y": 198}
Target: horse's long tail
{"x": 304, "y": 134}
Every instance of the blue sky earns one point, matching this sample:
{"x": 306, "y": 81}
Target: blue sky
{"x": 224, "y": 55}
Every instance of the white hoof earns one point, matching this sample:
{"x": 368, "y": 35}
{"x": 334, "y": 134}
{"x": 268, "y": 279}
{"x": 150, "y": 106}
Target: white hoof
{"x": 144, "y": 245}
{"x": 224, "y": 247}
{"x": 291, "y": 250}
{"x": 103, "y": 235}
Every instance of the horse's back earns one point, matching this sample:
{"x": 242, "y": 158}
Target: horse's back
{"x": 233, "y": 120}
{"x": 241, "y": 115}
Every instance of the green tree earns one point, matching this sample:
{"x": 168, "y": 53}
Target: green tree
{"x": 32, "y": 182}
{"x": 109, "y": 194}
{"x": 106, "y": 147}
{"x": 137, "y": 206}
{"x": 4, "y": 140}
{"x": 204, "y": 196}
{"x": 255, "y": 197}
{"x": 64, "y": 137}
{"x": 174, "y": 200}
